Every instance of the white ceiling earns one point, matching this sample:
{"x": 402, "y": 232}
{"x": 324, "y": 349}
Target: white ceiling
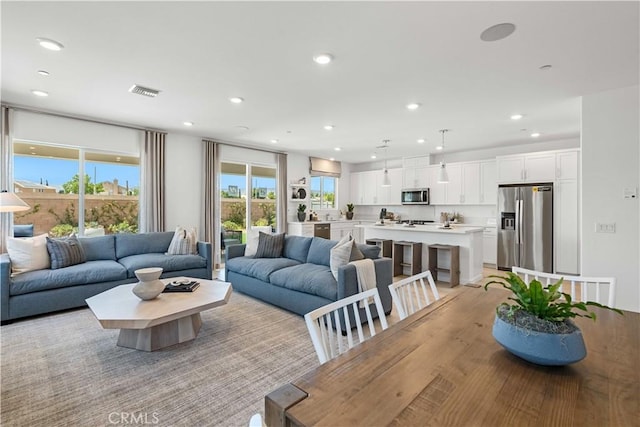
{"x": 387, "y": 54}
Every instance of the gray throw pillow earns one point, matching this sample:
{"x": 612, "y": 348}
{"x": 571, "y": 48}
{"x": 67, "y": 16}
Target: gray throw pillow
{"x": 65, "y": 252}
{"x": 270, "y": 245}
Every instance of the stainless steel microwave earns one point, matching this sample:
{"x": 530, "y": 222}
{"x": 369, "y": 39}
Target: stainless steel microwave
{"x": 415, "y": 196}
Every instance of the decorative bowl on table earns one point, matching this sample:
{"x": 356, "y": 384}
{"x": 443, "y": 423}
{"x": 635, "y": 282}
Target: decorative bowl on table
{"x": 149, "y": 285}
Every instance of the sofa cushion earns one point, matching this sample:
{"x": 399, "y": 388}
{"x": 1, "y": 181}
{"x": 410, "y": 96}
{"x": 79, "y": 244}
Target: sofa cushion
{"x": 65, "y": 252}
{"x": 369, "y": 251}
{"x": 99, "y": 247}
{"x": 296, "y": 247}
{"x": 259, "y": 268}
{"x": 320, "y": 251}
{"x": 167, "y": 262}
{"x": 308, "y": 278}
{"x": 28, "y": 254}
{"x": 79, "y": 274}
{"x": 144, "y": 243}
{"x": 270, "y": 245}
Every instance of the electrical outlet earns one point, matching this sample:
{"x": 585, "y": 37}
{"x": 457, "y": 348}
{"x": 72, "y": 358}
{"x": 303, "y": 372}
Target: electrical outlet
{"x": 605, "y": 227}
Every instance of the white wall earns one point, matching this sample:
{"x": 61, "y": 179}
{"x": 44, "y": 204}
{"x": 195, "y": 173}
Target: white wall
{"x": 610, "y": 163}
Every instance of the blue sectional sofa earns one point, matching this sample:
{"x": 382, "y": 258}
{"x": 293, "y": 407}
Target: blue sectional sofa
{"x": 301, "y": 280}
{"x": 111, "y": 261}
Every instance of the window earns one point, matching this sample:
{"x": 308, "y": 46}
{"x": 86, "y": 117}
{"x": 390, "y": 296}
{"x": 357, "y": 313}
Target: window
{"x": 73, "y": 190}
{"x": 323, "y": 192}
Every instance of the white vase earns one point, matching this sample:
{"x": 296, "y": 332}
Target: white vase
{"x": 150, "y": 285}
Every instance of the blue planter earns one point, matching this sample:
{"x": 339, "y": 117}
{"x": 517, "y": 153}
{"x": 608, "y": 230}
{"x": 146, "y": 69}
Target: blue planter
{"x": 539, "y": 347}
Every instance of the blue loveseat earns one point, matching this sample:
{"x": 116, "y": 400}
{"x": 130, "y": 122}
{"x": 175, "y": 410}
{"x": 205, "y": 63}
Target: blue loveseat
{"x": 301, "y": 280}
{"x": 111, "y": 261}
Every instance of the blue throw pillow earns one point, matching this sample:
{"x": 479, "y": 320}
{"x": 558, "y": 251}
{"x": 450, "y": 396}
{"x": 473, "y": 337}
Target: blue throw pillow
{"x": 65, "y": 252}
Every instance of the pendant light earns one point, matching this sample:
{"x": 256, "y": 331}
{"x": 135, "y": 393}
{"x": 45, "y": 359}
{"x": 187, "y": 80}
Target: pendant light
{"x": 443, "y": 176}
{"x": 386, "y": 182}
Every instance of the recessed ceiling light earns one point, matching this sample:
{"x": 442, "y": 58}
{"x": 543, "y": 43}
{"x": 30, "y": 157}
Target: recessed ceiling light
{"x": 413, "y": 106}
{"x": 516, "y": 116}
{"x": 236, "y": 100}
{"x": 337, "y": 148}
{"x": 274, "y": 141}
{"x": 421, "y": 141}
{"x": 373, "y": 156}
{"x": 535, "y": 134}
{"x": 545, "y": 67}
{"x": 323, "y": 58}
{"x": 497, "y": 32}
{"x": 187, "y": 123}
{"x": 49, "y": 44}
{"x": 32, "y": 148}
{"x": 39, "y": 93}
{"x": 439, "y": 147}
{"x": 333, "y": 159}
{"x": 328, "y": 127}
{"x": 43, "y": 72}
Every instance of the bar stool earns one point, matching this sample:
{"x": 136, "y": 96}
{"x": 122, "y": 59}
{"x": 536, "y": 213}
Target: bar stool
{"x": 384, "y": 244}
{"x": 454, "y": 262}
{"x": 414, "y": 260}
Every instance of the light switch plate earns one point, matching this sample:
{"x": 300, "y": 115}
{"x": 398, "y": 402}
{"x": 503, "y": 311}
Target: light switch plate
{"x": 602, "y": 227}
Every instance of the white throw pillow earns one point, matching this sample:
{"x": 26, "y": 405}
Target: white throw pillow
{"x": 343, "y": 252}
{"x": 253, "y": 237}
{"x": 184, "y": 242}
{"x": 28, "y": 254}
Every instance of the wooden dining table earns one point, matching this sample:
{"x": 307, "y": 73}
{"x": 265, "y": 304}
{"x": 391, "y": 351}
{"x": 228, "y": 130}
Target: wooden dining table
{"x": 442, "y": 367}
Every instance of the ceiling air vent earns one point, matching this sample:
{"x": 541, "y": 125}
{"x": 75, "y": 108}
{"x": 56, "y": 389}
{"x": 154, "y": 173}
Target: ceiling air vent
{"x": 141, "y": 90}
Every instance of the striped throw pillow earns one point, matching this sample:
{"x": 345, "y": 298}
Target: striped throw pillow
{"x": 65, "y": 252}
{"x": 270, "y": 245}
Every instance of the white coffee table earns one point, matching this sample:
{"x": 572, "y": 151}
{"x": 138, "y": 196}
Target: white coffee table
{"x": 169, "y": 319}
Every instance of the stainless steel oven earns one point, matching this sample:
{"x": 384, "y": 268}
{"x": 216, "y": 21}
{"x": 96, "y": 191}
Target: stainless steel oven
{"x": 415, "y": 196}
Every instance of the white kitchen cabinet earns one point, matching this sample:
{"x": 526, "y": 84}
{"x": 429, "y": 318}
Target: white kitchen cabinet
{"x": 437, "y": 192}
{"x": 567, "y": 165}
{"x": 490, "y": 246}
{"x": 366, "y": 187}
{"x": 301, "y": 229}
{"x": 453, "y": 190}
{"x": 414, "y": 172}
{"x": 488, "y": 183}
{"x": 341, "y": 229}
{"x": 524, "y": 168}
{"x": 471, "y": 182}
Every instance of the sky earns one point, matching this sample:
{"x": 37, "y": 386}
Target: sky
{"x": 58, "y": 171}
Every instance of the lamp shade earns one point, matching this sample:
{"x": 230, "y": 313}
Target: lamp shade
{"x": 9, "y": 202}
{"x": 443, "y": 176}
{"x": 386, "y": 182}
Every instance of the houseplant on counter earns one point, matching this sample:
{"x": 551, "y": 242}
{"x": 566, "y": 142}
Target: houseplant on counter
{"x": 538, "y": 328}
{"x": 301, "y": 212}
{"x": 350, "y": 207}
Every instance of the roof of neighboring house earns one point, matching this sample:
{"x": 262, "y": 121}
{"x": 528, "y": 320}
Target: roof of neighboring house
{"x": 23, "y": 183}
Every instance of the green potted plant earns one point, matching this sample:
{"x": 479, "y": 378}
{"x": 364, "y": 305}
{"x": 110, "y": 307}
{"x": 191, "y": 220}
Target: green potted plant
{"x": 301, "y": 212}
{"x": 350, "y": 207}
{"x": 538, "y": 327}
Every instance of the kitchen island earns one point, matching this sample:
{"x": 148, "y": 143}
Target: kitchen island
{"x": 467, "y": 237}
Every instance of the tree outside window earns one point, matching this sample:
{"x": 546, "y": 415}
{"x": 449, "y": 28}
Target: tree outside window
{"x": 323, "y": 192}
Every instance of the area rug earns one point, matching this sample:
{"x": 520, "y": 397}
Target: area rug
{"x": 65, "y": 370}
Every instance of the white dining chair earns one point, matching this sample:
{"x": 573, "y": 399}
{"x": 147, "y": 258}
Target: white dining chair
{"x": 327, "y": 324}
{"x": 412, "y": 293}
{"x": 598, "y": 289}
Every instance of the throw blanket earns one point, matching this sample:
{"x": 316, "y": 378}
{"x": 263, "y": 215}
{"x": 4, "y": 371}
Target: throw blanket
{"x": 366, "y": 273}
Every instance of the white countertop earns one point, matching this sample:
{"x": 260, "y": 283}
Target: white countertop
{"x": 435, "y": 228}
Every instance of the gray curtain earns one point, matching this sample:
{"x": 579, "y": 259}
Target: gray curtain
{"x": 281, "y": 210}
{"x": 211, "y": 216}
{"x": 152, "y": 197}
{"x": 6, "y": 174}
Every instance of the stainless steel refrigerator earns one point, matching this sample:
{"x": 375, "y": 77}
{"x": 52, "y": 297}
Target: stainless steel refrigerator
{"x": 525, "y": 227}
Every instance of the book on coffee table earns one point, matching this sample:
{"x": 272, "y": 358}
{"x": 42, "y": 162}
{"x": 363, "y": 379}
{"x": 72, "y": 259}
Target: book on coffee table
{"x": 181, "y": 287}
